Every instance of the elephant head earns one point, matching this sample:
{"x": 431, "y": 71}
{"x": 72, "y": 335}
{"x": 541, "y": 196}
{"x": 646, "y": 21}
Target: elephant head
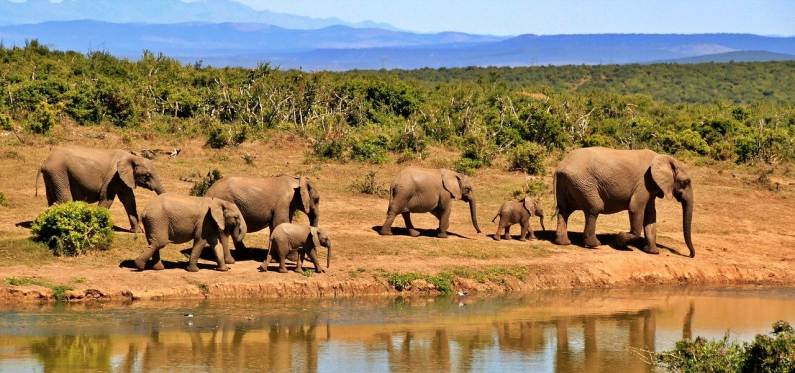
{"x": 320, "y": 239}
{"x": 310, "y": 199}
{"x": 533, "y": 206}
{"x": 460, "y": 188}
{"x": 671, "y": 179}
{"x": 136, "y": 171}
{"x": 228, "y": 218}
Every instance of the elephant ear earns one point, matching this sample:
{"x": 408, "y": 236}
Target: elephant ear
{"x": 528, "y": 204}
{"x": 662, "y": 172}
{"x": 452, "y": 183}
{"x": 216, "y": 211}
{"x": 125, "y": 168}
{"x": 314, "y": 237}
{"x": 306, "y": 198}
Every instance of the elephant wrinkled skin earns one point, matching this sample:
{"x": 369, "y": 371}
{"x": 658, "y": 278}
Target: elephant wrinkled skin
{"x": 98, "y": 175}
{"x": 417, "y": 190}
{"x": 605, "y": 181}
{"x": 268, "y": 202}
{"x": 177, "y": 219}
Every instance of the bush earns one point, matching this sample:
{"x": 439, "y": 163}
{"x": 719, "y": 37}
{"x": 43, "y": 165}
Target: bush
{"x": 368, "y": 184}
{"x": 766, "y": 353}
{"x": 528, "y": 157}
{"x": 221, "y": 136}
{"x": 3, "y": 200}
{"x": 5, "y": 122}
{"x": 74, "y": 228}
{"x": 369, "y": 149}
{"x": 200, "y": 187}
{"x": 42, "y": 119}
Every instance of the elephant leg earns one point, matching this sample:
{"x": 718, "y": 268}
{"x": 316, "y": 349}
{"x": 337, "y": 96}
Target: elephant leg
{"x": 224, "y": 238}
{"x": 157, "y": 263}
{"x": 140, "y": 262}
{"x": 524, "y": 232}
{"x": 395, "y": 207}
{"x": 590, "y": 230}
{"x": 128, "y": 200}
{"x": 56, "y": 191}
{"x": 444, "y": 221}
{"x": 219, "y": 255}
{"x": 282, "y": 264}
{"x": 507, "y": 233}
{"x": 562, "y": 234}
{"x": 650, "y": 229}
{"x": 198, "y": 246}
{"x": 636, "y": 217}
{"x": 407, "y": 219}
{"x": 499, "y": 229}
{"x": 313, "y": 258}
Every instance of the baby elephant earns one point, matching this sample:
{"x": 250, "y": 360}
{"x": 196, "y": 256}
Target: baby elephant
{"x": 513, "y": 212}
{"x": 172, "y": 218}
{"x": 287, "y": 239}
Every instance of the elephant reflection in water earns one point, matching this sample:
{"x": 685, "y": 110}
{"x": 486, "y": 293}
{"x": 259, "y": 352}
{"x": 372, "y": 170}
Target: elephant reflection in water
{"x": 227, "y": 348}
{"x": 414, "y": 354}
{"x": 73, "y": 353}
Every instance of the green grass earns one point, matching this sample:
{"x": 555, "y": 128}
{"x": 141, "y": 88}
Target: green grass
{"x": 443, "y": 281}
{"x": 58, "y": 290}
{"x": 23, "y": 251}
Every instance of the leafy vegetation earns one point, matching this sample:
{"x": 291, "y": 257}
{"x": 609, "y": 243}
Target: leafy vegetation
{"x": 766, "y": 353}
{"x": 74, "y": 228}
{"x": 201, "y": 186}
{"x": 3, "y": 200}
{"x": 741, "y": 112}
{"x": 368, "y": 184}
{"x": 443, "y": 281}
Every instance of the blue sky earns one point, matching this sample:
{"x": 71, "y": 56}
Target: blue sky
{"x": 765, "y": 17}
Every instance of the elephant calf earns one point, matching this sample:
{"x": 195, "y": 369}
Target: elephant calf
{"x": 518, "y": 212}
{"x": 174, "y": 218}
{"x": 288, "y": 239}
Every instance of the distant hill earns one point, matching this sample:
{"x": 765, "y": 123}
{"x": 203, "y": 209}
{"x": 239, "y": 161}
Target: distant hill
{"x": 346, "y": 48}
{"x": 159, "y": 12}
{"x": 739, "y": 56}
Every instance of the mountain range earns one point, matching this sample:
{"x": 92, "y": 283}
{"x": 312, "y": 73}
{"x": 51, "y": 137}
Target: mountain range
{"x": 228, "y": 33}
{"x": 159, "y": 12}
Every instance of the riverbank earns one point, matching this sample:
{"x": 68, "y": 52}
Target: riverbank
{"x": 742, "y": 234}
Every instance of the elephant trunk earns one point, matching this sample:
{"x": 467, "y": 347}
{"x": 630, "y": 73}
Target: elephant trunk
{"x": 473, "y": 213}
{"x": 541, "y": 219}
{"x": 314, "y": 216}
{"x": 328, "y": 257}
{"x": 157, "y": 187}
{"x": 687, "y": 220}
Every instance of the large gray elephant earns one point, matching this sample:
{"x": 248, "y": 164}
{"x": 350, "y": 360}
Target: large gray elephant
{"x": 417, "y": 190}
{"x": 268, "y": 202}
{"x": 98, "y": 175}
{"x": 605, "y": 181}
{"x": 173, "y": 218}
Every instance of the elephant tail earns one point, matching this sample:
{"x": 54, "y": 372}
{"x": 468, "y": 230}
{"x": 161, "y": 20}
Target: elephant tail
{"x": 555, "y": 210}
{"x": 495, "y": 217}
{"x": 36, "y": 193}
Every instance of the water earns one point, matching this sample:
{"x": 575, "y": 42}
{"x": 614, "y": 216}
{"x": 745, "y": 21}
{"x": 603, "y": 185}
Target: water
{"x": 551, "y": 331}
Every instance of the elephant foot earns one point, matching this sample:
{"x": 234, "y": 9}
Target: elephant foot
{"x": 140, "y": 264}
{"x": 562, "y": 240}
{"x": 229, "y": 260}
{"x": 192, "y": 268}
{"x": 413, "y": 232}
{"x": 648, "y": 249}
{"x": 623, "y": 238}
{"x": 222, "y": 268}
{"x": 497, "y": 237}
{"x": 522, "y": 239}
{"x": 532, "y": 238}
{"x": 592, "y": 242}
{"x": 385, "y": 232}
{"x": 442, "y": 234}
{"x": 158, "y": 266}
{"x": 263, "y": 267}
{"x": 282, "y": 270}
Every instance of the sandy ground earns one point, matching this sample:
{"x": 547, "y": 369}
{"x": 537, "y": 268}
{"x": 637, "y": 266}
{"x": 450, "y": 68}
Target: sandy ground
{"x": 742, "y": 232}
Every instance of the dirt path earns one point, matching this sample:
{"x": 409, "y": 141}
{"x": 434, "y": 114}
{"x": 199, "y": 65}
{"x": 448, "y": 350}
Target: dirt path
{"x": 742, "y": 235}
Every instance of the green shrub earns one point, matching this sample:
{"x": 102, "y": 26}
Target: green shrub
{"x": 201, "y": 186}
{"x": 220, "y": 136}
{"x": 368, "y": 184}
{"x": 74, "y": 228}
{"x": 369, "y": 149}
{"x": 3, "y": 200}
{"x": 528, "y": 157}
{"x": 329, "y": 148}
{"x": 42, "y": 119}
{"x": 767, "y": 353}
{"x": 5, "y": 122}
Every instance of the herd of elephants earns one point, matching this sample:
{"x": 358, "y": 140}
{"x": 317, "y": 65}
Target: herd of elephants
{"x": 593, "y": 180}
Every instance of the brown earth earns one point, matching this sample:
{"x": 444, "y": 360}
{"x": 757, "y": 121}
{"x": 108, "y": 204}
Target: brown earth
{"x": 742, "y": 232}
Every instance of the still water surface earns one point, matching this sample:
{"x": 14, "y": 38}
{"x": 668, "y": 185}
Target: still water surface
{"x": 552, "y": 331}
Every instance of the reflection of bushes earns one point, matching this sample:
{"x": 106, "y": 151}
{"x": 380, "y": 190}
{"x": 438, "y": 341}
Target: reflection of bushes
{"x": 74, "y": 353}
{"x": 766, "y": 353}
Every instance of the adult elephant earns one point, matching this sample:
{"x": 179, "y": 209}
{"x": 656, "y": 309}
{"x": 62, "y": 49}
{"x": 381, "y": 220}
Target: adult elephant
{"x": 605, "y": 181}
{"x": 418, "y": 190}
{"x": 268, "y": 202}
{"x": 98, "y": 175}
